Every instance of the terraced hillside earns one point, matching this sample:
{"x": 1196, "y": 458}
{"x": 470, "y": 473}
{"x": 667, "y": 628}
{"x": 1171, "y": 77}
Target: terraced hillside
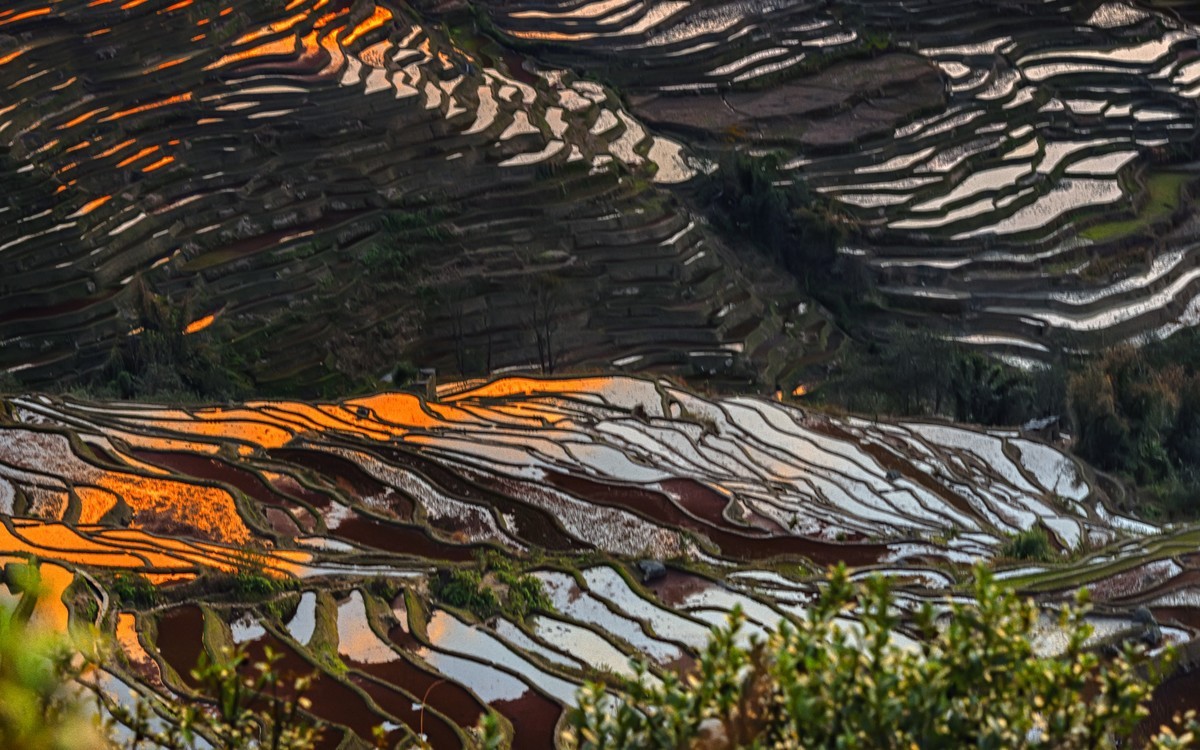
{"x": 1017, "y": 172}
{"x": 336, "y": 186}
{"x": 368, "y": 506}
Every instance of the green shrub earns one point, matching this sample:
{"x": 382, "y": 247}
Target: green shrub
{"x": 973, "y": 680}
{"x": 1032, "y": 544}
{"x": 525, "y": 594}
{"x": 39, "y": 710}
{"x": 464, "y": 589}
{"x": 249, "y": 706}
{"x": 134, "y": 590}
{"x": 500, "y": 588}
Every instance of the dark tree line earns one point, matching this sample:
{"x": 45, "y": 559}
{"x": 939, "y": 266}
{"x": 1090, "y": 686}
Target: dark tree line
{"x": 1137, "y": 413}
{"x": 919, "y": 373}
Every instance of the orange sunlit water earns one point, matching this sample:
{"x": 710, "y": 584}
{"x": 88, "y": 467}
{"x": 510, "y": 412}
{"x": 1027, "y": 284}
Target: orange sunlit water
{"x": 178, "y": 99}
{"x": 140, "y": 154}
{"x": 92, "y": 205}
{"x": 127, "y": 637}
{"x": 199, "y": 325}
{"x": 50, "y": 609}
{"x": 285, "y": 46}
{"x": 132, "y": 549}
{"x": 528, "y": 386}
{"x": 378, "y": 18}
{"x": 5, "y": 59}
{"x": 25, "y": 16}
{"x": 210, "y": 511}
{"x": 81, "y": 119}
{"x": 240, "y": 425}
{"x": 159, "y": 164}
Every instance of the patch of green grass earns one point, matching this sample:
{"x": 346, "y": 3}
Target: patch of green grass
{"x": 498, "y": 586}
{"x": 134, "y": 590}
{"x": 1032, "y": 544}
{"x": 1163, "y": 195}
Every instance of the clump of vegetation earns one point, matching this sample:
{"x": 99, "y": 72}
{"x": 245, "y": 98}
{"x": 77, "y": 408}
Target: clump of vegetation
{"x": 39, "y": 710}
{"x": 256, "y": 708}
{"x": 464, "y": 588}
{"x": 498, "y": 586}
{"x": 1137, "y": 413}
{"x": 250, "y": 580}
{"x": 1032, "y": 544}
{"x": 252, "y": 585}
{"x": 973, "y": 681}
{"x": 919, "y": 373}
{"x": 133, "y": 590}
{"x": 163, "y": 359}
{"x": 45, "y": 703}
{"x": 1164, "y": 192}
{"x": 754, "y": 198}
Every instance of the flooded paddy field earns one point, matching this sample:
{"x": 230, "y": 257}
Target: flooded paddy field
{"x": 292, "y": 200}
{"x": 997, "y": 164}
{"x": 329, "y": 188}
{"x": 282, "y": 171}
{"x": 364, "y": 505}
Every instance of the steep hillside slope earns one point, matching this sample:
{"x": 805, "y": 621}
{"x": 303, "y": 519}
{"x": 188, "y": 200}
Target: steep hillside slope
{"x": 340, "y": 186}
{"x": 368, "y": 506}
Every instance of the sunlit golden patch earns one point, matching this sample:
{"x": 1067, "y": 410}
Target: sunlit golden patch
{"x": 378, "y": 18}
{"x": 209, "y": 511}
{"x": 114, "y": 149}
{"x": 161, "y": 559}
{"x": 5, "y": 59}
{"x": 25, "y": 16}
{"x": 199, "y": 325}
{"x": 58, "y": 541}
{"x": 398, "y": 409}
{"x": 274, "y": 28}
{"x": 285, "y": 46}
{"x": 168, "y": 64}
{"x": 90, "y": 206}
{"x": 178, "y": 99}
{"x": 159, "y": 164}
{"x": 96, "y": 502}
{"x": 528, "y": 386}
{"x": 81, "y": 119}
{"x": 244, "y": 425}
{"x": 50, "y": 609}
{"x": 139, "y": 155}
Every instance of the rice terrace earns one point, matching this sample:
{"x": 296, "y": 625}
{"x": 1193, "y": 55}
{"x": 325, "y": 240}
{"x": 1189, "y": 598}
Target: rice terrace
{"x": 599, "y": 374}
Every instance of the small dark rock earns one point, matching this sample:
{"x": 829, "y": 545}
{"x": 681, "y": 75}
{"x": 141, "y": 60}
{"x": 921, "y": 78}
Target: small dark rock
{"x": 1143, "y": 616}
{"x": 362, "y": 412}
{"x": 652, "y": 570}
{"x": 893, "y": 475}
{"x": 1152, "y": 636}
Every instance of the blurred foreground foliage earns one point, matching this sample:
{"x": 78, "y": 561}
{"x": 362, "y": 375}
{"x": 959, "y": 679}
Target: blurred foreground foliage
{"x": 53, "y": 696}
{"x": 844, "y": 676}
{"x": 968, "y": 679}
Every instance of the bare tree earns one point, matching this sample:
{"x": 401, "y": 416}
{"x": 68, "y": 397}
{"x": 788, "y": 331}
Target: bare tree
{"x": 544, "y": 293}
